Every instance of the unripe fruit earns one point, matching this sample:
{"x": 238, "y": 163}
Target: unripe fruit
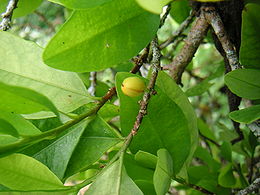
{"x": 133, "y": 86}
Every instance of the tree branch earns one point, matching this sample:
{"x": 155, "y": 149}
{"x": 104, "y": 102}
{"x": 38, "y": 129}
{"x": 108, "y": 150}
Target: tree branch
{"x": 215, "y": 21}
{"x": 7, "y": 15}
{"x": 195, "y": 37}
{"x": 251, "y": 188}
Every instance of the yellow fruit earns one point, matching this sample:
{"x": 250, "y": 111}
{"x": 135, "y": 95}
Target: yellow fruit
{"x": 133, "y": 86}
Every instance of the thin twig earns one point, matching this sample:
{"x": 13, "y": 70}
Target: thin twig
{"x": 251, "y": 188}
{"x": 210, "y": 140}
{"x": 150, "y": 88}
{"x": 146, "y": 97}
{"x": 7, "y": 15}
{"x": 45, "y": 20}
{"x": 178, "y": 32}
{"x": 93, "y": 83}
{"x": 165, "y": 15}
{"x": 195, "y": 37}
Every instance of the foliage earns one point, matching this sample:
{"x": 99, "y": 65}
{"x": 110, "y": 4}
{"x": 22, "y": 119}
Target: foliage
{"x": 65, "y": 122}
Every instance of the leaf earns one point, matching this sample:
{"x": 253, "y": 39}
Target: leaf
{"x": 146, "y": 159}
{"x": 21, "y": 65}
{"x": 155, "y": 6}
{"x": 22, "y": 126}
{"x": 247, "y": 115}
{"x": 57, "y": 154}
{"x": 244, "y": 83}
{"x": 226, "y": 177}
{"x": 174, "y": 92}
{"x": 206, "y": 157}
{"x": 180, "y": 10}
{"x": 80, "y": 4}
{"x": 24, "y": 7}
{"x": 97, "y": 138}
{"x": 163, "y": 172}
{"x": 23, "y": 101}
{"x": 98, "y": 41}
{"x": 114, "y": 180}
{"x": 205, "y": 130}
{"x": 226, "y": 151}
{"x": 7, "y": 128}
{"x": 200, "y": 176}
{"x": 198, "y": 89}
{"x": 158, "y": 129}
{"x": 250, "y": 44}
{"x": 20, "y": 172}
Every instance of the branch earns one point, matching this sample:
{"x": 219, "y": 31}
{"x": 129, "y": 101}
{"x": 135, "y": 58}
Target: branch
{"x": 150, "y": 88}
{"x": 178, "y": 32}
{"x": 7, "y": 15}
{"x": 195, "y": 37}
{"x": 215, "y": 21}
{"x": 251, "y": 188}
{"x": 45, "y": 20}
{"x": 146, "y": 97}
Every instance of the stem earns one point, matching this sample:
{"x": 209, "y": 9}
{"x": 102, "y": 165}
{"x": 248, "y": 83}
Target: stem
{"x": 195, "y": 37}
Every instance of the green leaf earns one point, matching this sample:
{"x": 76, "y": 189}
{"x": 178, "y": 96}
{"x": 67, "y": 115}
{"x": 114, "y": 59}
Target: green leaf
{"x": 180, "y": 10}
{"x": 57, "y": 154}
{"x": 136, "y": 171}
{"x": 226, "y": 177}
{"x": 158, "y": 129}
{"x": 198, "y": 89}
{"x": 21, "y": 65}
{"x": 80, "y": 4}
{"x": 250, "y": 44}
{"x": 114, "y": 180}
{"x": 207, "y": 158}
{"x": 174, "y": 92}
{"x": 205, "y": 130}
{"x": 22, "y": 126}
{"x": 24, "y": 7}
{"x": 20, "y": 172}
{"x": 163, "y": 172}
{"x": 244, "y": 83}
{"x": 247, "y": 115}
{"x": 97, "y": 138}
{"x": 99, "y": 41}
{"x": 23, "y": 101}
{"x": 7, "y": 129}
{"x": 146, "y": 159}
{"x": 226, "y": 151}
{"x": 155, "y": 6}
{"x": 201, "y": 176}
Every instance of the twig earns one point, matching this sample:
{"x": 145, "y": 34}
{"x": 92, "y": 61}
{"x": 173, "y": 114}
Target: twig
{"x": 195, "y": 37}
{"x": 164, "y": 17}
{"x": 45, "y": 20}
{"x": 150, "y": 88}
{"x": 251, "y": 188}
{"x": 7, "y": 15}
{"x": 93, "y": 83}
{"x": 215, "y": 21}
{"x": 210, "y": 140}
{"x": 178, "y": 32}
